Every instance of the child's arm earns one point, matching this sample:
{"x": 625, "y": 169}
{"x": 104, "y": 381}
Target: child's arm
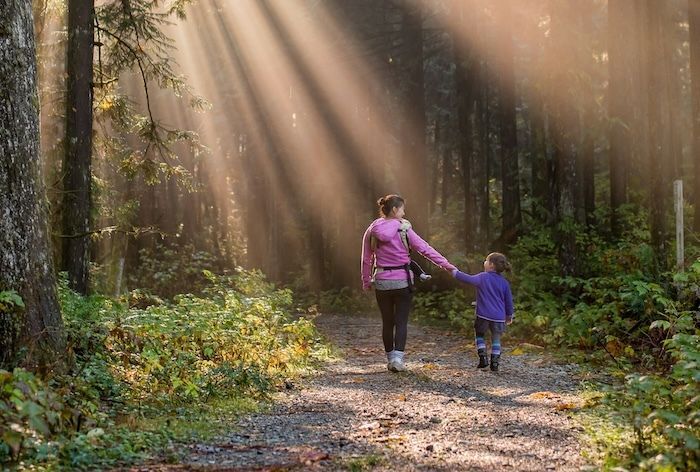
{"x": 474, "y": 280}
{"x": 509, "y": 305}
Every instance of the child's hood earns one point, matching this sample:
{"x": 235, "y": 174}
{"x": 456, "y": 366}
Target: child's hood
{"x": 384, "y": 229}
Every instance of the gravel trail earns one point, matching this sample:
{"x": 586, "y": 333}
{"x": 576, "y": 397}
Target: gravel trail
{"x": 443, "y": 414}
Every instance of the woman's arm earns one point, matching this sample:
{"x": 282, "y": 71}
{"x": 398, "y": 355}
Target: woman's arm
{"x": 366, "y": 260}
{"x": 428, "y": 252}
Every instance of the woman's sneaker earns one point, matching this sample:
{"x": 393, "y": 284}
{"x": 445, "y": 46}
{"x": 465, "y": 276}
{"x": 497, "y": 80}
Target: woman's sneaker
{"x": 396, "y": 362}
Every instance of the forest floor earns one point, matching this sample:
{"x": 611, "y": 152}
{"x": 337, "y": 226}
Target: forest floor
{"x": 443, "y": 414}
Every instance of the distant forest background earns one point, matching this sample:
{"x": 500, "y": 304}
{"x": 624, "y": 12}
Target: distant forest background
{"x": 291, "y": 119}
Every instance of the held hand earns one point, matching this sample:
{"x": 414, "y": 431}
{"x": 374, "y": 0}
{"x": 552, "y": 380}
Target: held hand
{"x": 454, "y": 272}
{"x": 509, "y": 321}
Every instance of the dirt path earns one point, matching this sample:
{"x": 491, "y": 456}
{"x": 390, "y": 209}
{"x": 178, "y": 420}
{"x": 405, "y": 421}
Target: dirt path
{"x": 441, "y": 415}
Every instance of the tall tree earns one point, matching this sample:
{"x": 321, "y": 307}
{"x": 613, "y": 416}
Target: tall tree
{"x": 77, "y": 174}
{"x": 694, "y": 21}
{"x": 564, "y": 128}
{"x": 507, "y": 124}
{"x": 620, "y": 36}
{"x": 25, "y": 259}
{"x": 414, "y": 156}
{"x": 466, "y": 98}
{"x": 589, "y": 126}
{"x": 655, "y": 17}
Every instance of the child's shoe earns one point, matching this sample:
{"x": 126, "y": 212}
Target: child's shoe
{"x": 390, "y": 356}
{"x": 483, "y": 362}
{"x": 495, "y": 359}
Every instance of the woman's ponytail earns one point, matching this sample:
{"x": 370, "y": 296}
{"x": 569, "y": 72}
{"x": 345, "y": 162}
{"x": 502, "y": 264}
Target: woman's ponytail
{"x": 388, "y": 203}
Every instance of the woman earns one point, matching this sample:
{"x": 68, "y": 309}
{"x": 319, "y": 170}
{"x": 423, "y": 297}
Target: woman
{"x": 385, "y": 265}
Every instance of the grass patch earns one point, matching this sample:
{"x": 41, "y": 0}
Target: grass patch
{"x": 362, "y": 463}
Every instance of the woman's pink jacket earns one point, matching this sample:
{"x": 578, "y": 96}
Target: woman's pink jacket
{"x": 390, "y": 251}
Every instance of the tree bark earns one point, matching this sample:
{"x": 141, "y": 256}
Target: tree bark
{"x": 25, "y": 259}
{"x": 414, "y": 156}
{"x": 541, "y": 163}
{"x": 694, "y": 21}
{"x": 512, "y": 217}
{"x": 563, "y": 121}
{"x": 435, "y": 167}
{"x": 588, "y": 116}
{"x": 447, "y": 168}
{"x": 485, "y": 156}
{"x": 77, "y": 174}
{"x": 655, "y": 17}
{"x": 620, "y": 35}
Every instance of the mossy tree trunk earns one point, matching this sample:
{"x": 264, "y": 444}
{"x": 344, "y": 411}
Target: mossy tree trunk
{"x": 26, "y": 266}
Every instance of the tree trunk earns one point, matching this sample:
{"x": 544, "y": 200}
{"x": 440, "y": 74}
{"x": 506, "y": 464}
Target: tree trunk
{"x": 541, "y": 164}
{"x": 512, "y": 218}
{"x": 414, "y": 157}
{"x": 77, "y": 174}
{"x": 563, "y": 120}
{"x": 655, "y": 18}
{"x": 673, "y": 105}
{"x": 465, "y": 85}
{"x": 620, "y": 88}
{"x": 588, "y": 116}
{"x": 485, "y": 156}
{"x": 25, "y": 260}
{"x": 638, "y": 173}
{"x": 435, "y": 166}
{"x": 694, "y": 21}
{"x": 447, "y": 169}
{"x": 588, "y": 163}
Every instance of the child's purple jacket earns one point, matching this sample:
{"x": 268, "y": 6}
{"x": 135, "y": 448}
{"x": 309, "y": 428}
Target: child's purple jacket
{"x": 391, "y": 252}
{"x": 494, "y": 301}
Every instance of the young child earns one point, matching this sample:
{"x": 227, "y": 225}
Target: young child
{"x": 494, "y": 306}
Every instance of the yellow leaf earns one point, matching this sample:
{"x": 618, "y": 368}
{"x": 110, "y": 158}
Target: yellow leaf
{"x": 353, "y": 380}
{"x": 538, "y": 395}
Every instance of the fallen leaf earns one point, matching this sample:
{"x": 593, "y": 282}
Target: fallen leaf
{"x": 530, "y": 347}
{"x": 309, "y": 457}
{"x": 566, "y": 406}
{"x": 353, "y": 380}
{"x": 538, "y": 395}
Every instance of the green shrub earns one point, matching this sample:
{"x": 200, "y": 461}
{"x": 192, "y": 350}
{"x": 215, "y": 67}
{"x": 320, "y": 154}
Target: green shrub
{"x": 11, "y": 307}
{"x": 168, "y": 270}
{"x": 134, "y": 365}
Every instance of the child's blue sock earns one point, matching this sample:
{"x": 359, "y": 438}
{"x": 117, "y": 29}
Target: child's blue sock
{"x": 496, "y": 348}
{"x": 480, "y": 344}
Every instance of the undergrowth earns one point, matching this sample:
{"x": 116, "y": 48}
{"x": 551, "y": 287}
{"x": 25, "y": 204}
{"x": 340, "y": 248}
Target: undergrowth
{"x": 146, "y": 377}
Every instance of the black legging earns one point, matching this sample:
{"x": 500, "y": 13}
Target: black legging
{"x": 395, "y": 306}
